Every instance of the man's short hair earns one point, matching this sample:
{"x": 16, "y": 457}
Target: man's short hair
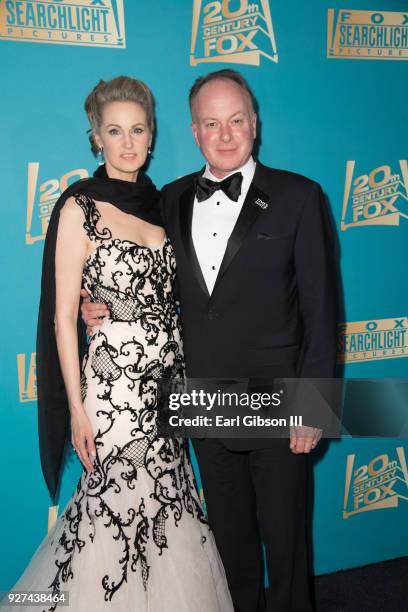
{"x": 227, "y": 73}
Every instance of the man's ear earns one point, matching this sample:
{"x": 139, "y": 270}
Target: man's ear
{"x": 194, "y": 129}
{"x": 254, "y": 119}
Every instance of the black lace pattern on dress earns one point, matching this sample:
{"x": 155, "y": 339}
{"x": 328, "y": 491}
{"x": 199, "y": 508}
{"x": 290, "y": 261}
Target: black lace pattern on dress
{"x": 127, "y": 357}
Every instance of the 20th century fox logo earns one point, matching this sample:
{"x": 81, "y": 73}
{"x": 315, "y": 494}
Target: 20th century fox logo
{"x": 376, "y": 197}
{"x": 41, "y": 197}
{"x": 94, "y": 23}
{"x": 27, "y": 380}
{"x": 353, "y": 34}
{"x": 237, "y": 31}
{"x": 379, "y": 484}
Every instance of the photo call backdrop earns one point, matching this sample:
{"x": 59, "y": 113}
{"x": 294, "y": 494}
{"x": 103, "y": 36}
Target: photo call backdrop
{"x": 331, "y": 82}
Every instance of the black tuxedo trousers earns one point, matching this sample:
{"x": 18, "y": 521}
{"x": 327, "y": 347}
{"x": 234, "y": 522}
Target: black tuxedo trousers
{"x": 272, "y": 313}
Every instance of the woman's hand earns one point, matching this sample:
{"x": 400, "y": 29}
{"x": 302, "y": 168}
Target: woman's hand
{"x": 82, "y": 437}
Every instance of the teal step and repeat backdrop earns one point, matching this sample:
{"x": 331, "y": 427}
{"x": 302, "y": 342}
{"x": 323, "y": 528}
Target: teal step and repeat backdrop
{"x": 331, "y": 82}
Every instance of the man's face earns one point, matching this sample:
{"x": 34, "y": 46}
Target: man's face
{"x": 224, "y": 125}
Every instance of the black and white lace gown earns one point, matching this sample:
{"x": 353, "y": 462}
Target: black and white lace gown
{"x": 133, "y": 537}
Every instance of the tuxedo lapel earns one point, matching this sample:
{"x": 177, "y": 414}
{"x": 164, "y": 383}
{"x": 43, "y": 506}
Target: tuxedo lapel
{"x": 255, "y": 204}
{"x": 186, "y": 204}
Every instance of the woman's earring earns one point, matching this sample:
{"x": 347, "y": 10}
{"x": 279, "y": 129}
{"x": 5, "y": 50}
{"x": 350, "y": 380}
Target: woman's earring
{"x": 100, "y": 156}
{"x": 149, "y": 150}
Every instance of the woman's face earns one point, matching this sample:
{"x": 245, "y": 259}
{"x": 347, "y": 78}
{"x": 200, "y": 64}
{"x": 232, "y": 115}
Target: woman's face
{"x": 125, "y": 139}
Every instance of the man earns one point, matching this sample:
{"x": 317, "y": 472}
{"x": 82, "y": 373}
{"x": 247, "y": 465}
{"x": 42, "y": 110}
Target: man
{"x": 257, "y": 294}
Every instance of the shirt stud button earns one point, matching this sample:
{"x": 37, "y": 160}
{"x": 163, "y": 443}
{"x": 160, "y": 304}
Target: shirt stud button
{"x": 215, "y": 233}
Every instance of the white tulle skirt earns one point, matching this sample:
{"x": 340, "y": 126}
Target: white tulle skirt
{"x": 106, "y": 557}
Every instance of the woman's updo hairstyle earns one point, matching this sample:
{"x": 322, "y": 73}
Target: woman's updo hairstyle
{"x": 119, "y": 89}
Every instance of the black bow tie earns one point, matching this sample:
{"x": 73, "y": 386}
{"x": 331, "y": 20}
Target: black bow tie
{"x": 231, "y": 186}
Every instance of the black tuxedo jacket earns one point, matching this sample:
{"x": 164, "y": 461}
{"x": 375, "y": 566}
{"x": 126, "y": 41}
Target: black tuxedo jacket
{"x": 272, "y": 312}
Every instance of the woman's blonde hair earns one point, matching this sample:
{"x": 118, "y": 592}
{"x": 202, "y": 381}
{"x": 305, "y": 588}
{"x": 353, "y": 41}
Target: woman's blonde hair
{"x": 119, "y": 89}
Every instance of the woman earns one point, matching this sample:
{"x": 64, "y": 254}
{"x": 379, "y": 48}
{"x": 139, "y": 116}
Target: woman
{"x": 134, "y": 535}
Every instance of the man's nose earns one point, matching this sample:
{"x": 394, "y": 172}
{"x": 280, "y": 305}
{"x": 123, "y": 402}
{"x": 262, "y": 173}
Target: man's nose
{"x": 225, "y": 133}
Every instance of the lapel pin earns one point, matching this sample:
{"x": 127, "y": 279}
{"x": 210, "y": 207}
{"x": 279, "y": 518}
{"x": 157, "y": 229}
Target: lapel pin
{"x": 261, "y": 203}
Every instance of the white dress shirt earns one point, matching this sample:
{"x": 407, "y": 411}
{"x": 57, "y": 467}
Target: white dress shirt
{"x": 213, "y": 222}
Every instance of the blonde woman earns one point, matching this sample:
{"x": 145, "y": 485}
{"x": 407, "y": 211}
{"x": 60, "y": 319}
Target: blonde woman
{"x": 133, "y": 536}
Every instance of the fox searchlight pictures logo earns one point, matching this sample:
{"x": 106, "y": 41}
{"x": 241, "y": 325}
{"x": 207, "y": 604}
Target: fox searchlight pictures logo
{"x": 372, "y": 340}
{"x": 93, "y": 23}
{"x": 353, "y": 34}
{"x": 379, "y": 197}
{"x": 237, "y": 32}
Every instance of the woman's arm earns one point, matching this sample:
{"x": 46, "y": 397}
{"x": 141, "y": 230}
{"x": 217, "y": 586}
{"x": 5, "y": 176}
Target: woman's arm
{"x": 71, "y": 252}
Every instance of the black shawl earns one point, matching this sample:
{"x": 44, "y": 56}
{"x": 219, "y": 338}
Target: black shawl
{"x": 140, "y": 199}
